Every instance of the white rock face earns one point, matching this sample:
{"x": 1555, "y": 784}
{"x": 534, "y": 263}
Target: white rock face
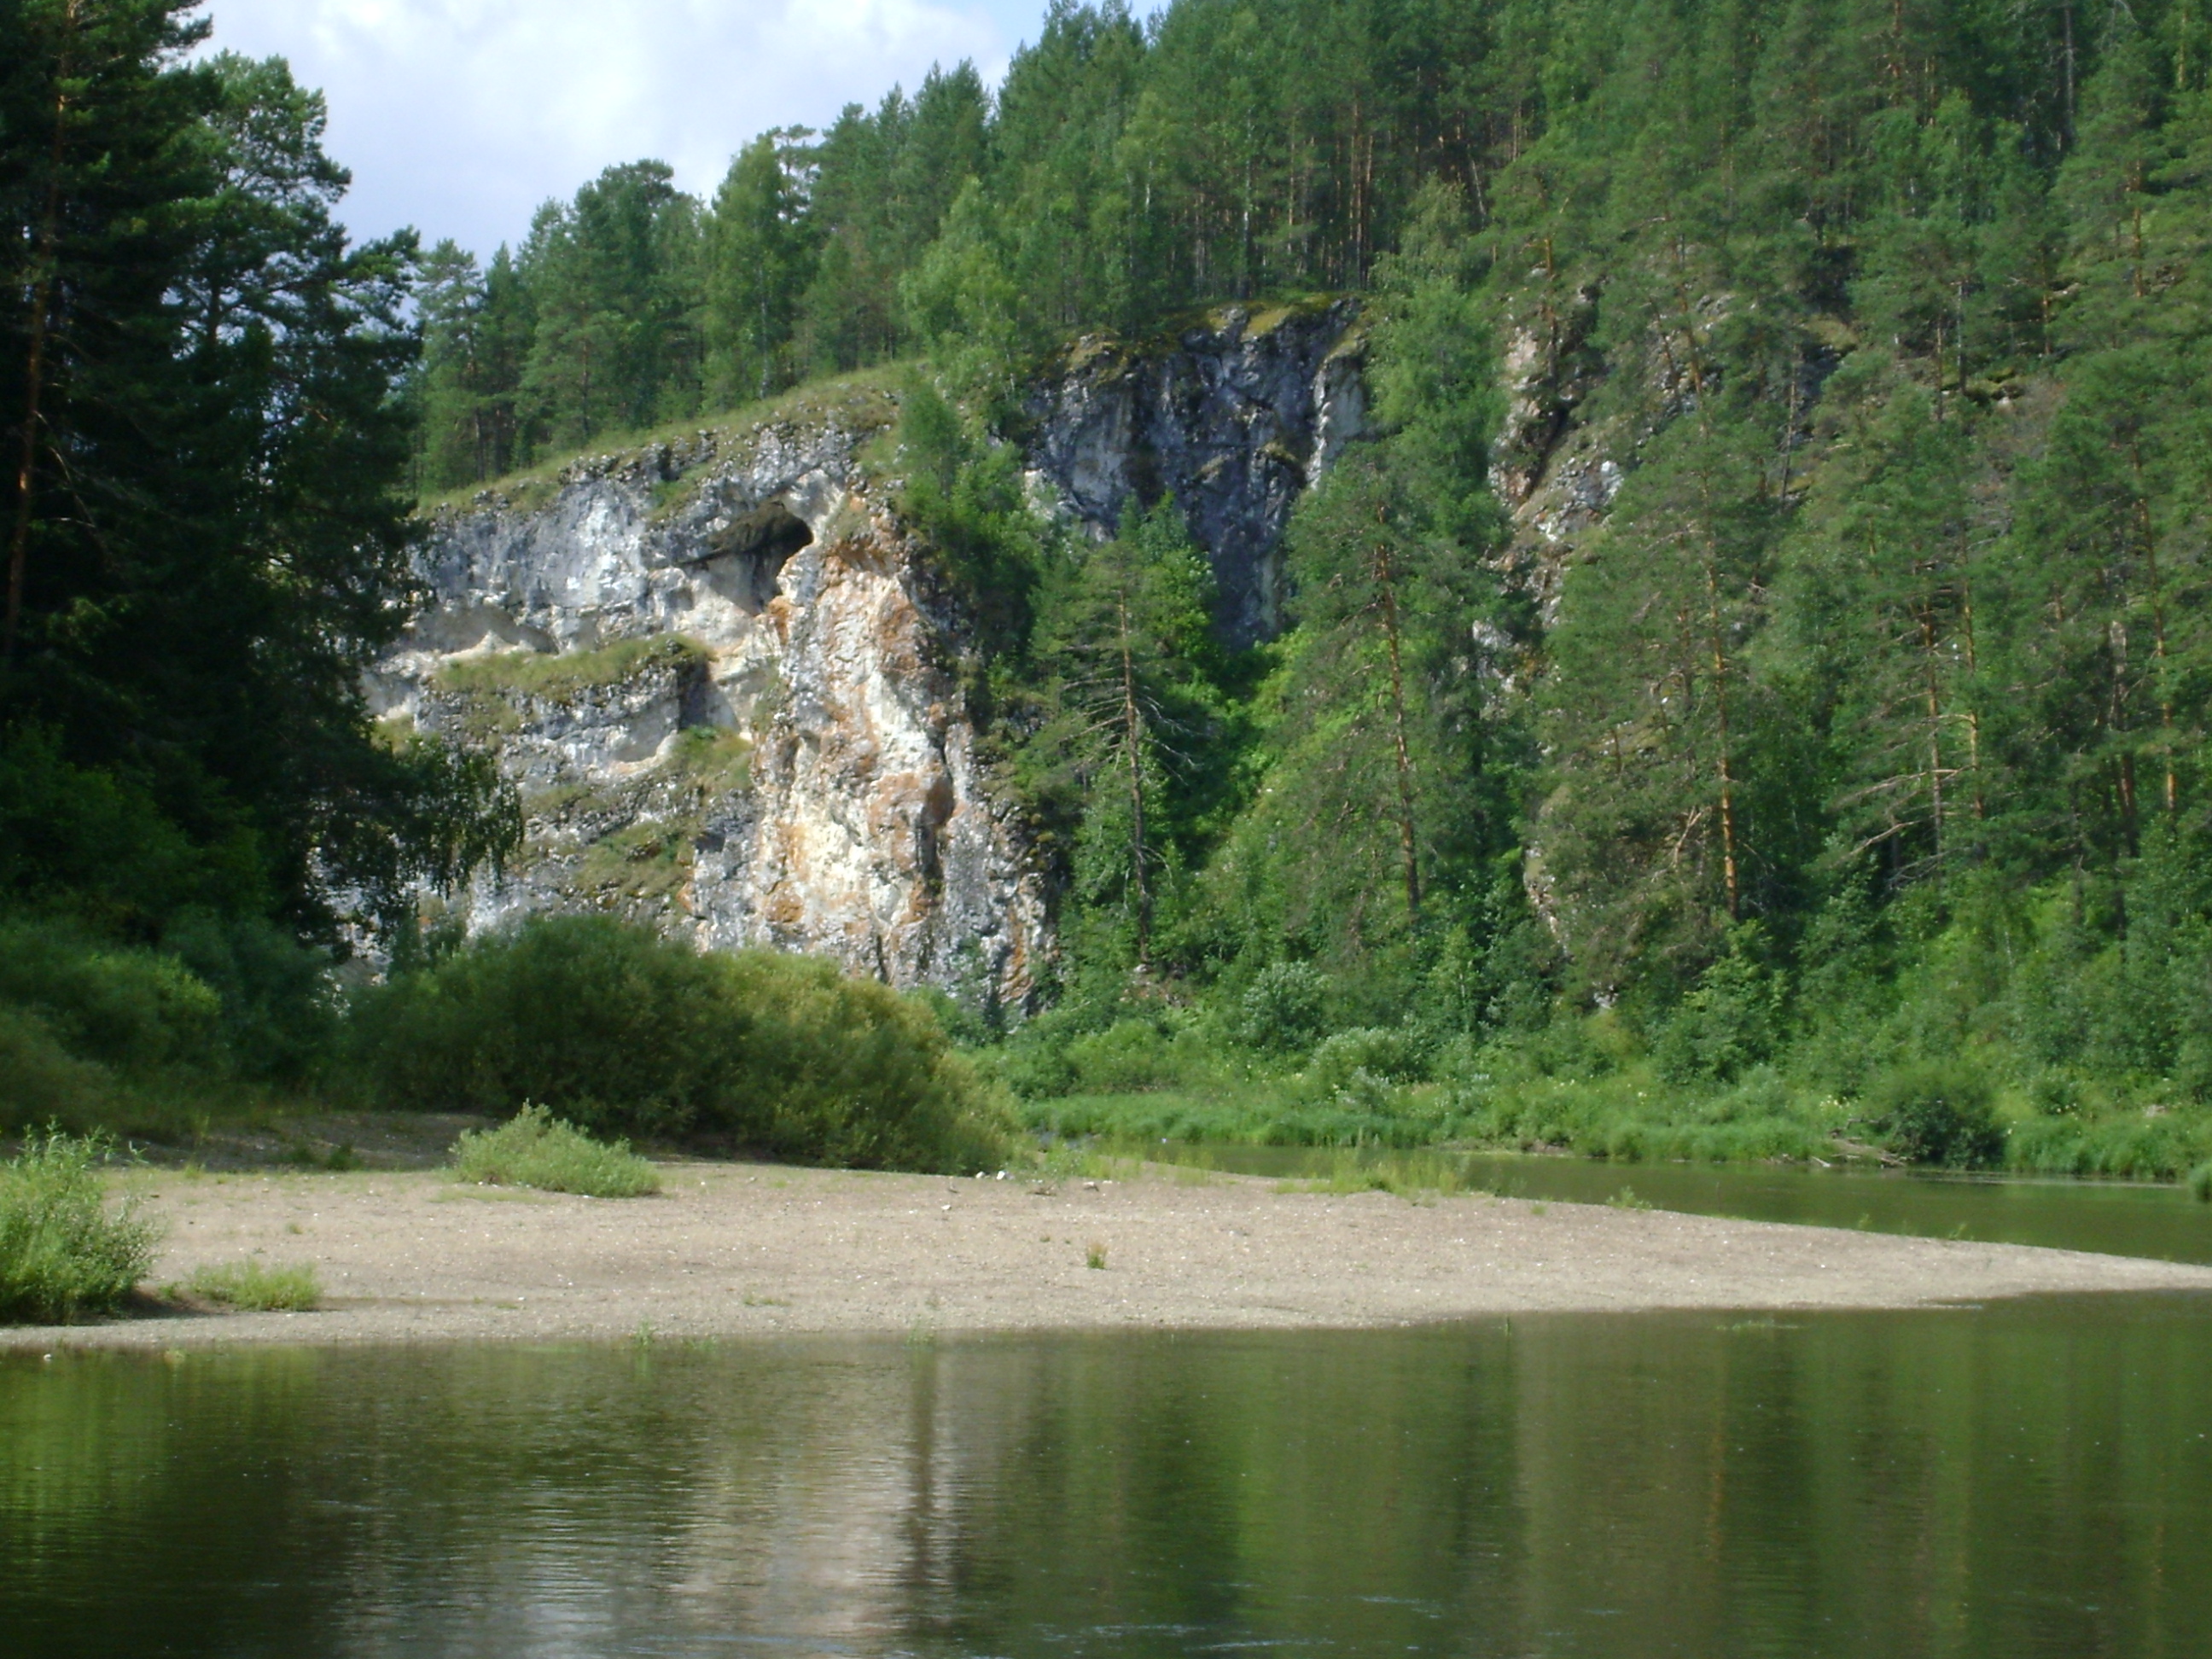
{"x": 717, "y": 675}
{"x": 722, "y": 675}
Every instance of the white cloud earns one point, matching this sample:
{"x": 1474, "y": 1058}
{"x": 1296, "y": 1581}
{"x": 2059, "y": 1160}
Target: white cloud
{"x": 460, "y": 116}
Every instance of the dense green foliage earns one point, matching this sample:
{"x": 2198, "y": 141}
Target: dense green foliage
{"x": 95, "y": 1030}
{"x": 1747, "y": 695}
{"x": 209, "y": 402}
{"x": 62, "y": 1252}
{"x": 1827, "y": 765}
{"x": 1842, "y": 778}
{"x": 203, "y": 504}
{"x": 534, "y": 1148}
{"x": 615, "y": 1030}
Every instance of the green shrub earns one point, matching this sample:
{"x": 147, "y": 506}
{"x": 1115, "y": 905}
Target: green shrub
{"x": 1387, "y": 1054}
{"x": 1728, "y": 1024}
{"x": 124, "y": 1007}
{"x": 277, "y": 1014}
{"x": 1130, "y": 1056}
{"x": 2116, "y": 1142}
{"x": 617, "y": 1031}
{"x": 2200, "y": 1183}
{"x": 1936, "y": 1113}
{"x": 41, "y": 1082}
{"x": 97, "y": 1034}
{"x": 536, "y": 1149}
{"x": 251, "y": 1287}
{"x": 62, "y": 1253}
{"x": 1283, "y": 1008}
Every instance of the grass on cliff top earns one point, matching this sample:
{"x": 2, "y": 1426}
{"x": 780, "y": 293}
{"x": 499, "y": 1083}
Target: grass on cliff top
{"x": 536, "y": 1149}
{"x": 864, "y": 402}
{"x": 564, "y": 674}
{"x": 1263, "y": 315}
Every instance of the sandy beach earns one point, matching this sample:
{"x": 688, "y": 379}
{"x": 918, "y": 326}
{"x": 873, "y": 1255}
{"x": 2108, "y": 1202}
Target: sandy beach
{"x": 730, "y": 1250}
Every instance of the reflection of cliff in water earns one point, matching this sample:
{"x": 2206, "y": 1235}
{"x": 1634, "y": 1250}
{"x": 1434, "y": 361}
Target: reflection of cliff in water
{"x": 2023, "y": 1477}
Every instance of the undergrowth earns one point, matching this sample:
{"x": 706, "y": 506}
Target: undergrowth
{"x": 1585, "y": 1090}
{"x": 255, "y": 1287}
{"x": 64, "y": 1253}
{"x": 536, "y": 1149}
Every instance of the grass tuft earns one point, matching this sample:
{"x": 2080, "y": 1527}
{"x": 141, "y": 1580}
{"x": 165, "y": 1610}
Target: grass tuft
{"x": 1095, "y": 1256}
{"x": 536, "y": 1149}
{"x": 252, "y": 1287}
{"x": 62, "y": 1254}
{"x": 561, "y": 676}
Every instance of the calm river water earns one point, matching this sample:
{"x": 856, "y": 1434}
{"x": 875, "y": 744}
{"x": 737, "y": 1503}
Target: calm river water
{"x": 2115, "y": 1217}
{"x": 2025, "y": 1479}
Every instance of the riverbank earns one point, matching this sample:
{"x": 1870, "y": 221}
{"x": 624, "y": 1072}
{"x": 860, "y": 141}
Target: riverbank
{"x": 739, "y": 1249}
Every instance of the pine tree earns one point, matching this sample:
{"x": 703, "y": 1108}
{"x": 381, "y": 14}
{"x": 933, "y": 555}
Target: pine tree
{"x": 1886, "y": 583}
{"x": 613, "y": 278}
{"x": 758, "y": 258}
{"x": 1124, "y": 641}
{"x": 213, "y": 522}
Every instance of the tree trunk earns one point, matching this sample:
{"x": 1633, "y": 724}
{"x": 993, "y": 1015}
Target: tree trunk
{"x": 1408, "y": 844}
{"x": 2157, "y": 630}
{"x": 1717, "y": 640}
{"x": 35, "y": 377}
{"x": 1932, "y": 691}
{"x": 1133, "y": 728}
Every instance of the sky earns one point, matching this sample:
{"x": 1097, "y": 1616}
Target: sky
{"x": 459, "y": 117}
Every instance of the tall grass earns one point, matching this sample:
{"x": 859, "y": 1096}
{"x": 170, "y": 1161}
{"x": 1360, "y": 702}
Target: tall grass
{"x": 536, "y": 1149}
{"x": 254, "y": 1287}
{"x": 63, "y": 1254}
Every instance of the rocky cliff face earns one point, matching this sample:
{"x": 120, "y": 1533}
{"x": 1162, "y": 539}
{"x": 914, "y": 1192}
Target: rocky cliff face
{"x": 720, "y": 671}
{"x": 713, "y": 672}
{"x": 1237, "y": 416}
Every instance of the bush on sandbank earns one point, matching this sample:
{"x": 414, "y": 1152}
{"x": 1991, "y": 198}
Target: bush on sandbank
{"x": 536, "y": 1149}
{"x": 63, "y": 1254}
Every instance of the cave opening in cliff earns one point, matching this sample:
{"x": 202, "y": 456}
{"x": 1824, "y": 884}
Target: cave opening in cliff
{"x": 753, "y": 550}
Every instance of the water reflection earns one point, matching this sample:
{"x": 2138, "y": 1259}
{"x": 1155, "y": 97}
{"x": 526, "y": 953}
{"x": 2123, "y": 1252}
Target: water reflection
{"x": 2115, "y": 1217}
{"x": 2025, "y": 1478}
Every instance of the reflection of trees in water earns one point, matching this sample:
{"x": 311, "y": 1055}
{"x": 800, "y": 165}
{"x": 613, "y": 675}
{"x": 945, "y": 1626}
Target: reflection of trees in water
{"x": 1939, "y": 1482}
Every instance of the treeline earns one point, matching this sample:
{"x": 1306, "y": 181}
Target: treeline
{"x": 208, "y": 518}
{"x": 1758, "y": 671}
{"x": 1123, "y": 171}
{"x": 1759, "y": 659}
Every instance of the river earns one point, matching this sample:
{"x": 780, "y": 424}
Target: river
{"x": 2022, "y": 1478}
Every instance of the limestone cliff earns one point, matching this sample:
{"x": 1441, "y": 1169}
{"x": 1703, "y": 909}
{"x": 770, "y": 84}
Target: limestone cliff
{"x": 1236, "y": 416}
{"x": 714, "y": 671}
{"x": 721, "y": 672}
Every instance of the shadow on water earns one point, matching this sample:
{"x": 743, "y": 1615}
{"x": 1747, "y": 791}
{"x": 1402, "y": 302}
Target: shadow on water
{"x": 2112, "y": 1217}
{"x": 2029, "y": 1479}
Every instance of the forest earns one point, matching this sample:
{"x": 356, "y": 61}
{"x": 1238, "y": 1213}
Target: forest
{"x": 1841, "y": 792}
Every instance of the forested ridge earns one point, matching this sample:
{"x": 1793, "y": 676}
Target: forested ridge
{"x": 1744, "y": 697}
